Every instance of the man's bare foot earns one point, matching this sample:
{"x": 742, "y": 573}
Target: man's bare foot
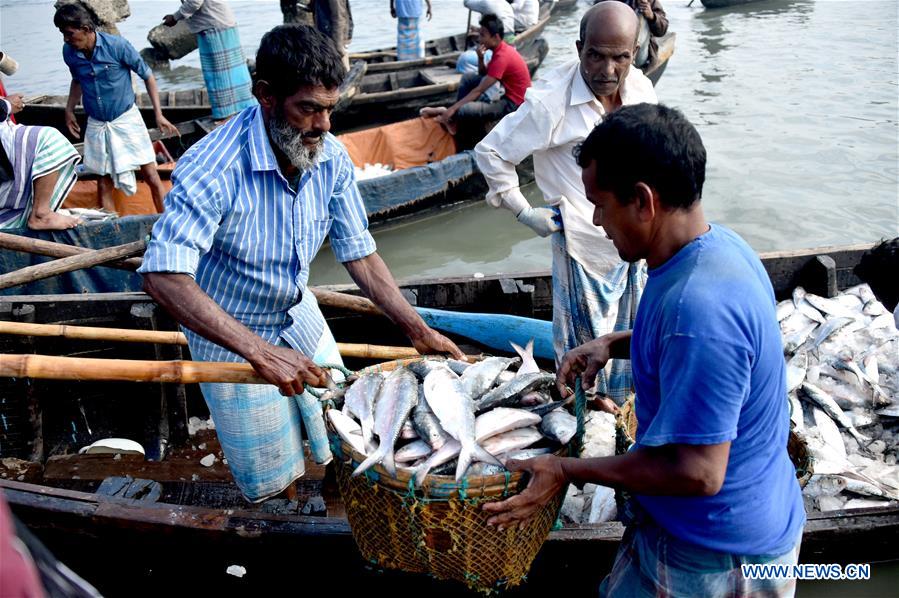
{"x": 52, "y": 221}
{"x": 431, "y": 111}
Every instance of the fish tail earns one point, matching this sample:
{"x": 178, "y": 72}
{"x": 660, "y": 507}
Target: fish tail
{"x": 389, "y": 463}
{"x": 465, "y": 458}
{"x": 481, "y": 454}
{"x": 374, "y": 459}
{"x": 421, "y": 472}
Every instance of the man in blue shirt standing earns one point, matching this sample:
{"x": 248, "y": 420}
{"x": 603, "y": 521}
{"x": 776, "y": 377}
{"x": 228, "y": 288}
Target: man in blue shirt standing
{"x": 711, "y": 481}
{"x": 116, "y": 142}
{"x": 251, "y": 205}
{"x": 409, "y": 43}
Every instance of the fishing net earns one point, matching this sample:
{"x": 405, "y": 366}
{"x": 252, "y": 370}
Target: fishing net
{"x": 440, "y": 528}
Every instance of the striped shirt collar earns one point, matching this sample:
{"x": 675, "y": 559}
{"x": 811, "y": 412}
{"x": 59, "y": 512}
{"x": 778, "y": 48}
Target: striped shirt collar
{"x": 262, "y": 156}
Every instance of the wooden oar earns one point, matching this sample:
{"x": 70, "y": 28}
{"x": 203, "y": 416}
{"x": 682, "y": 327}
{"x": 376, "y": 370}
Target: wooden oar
{"x": 161, "y": 337}
{"x": 51, "y": 249}
{"x": 94, "y": 257}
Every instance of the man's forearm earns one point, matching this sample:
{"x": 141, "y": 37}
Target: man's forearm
{"x": 619, "y": 344}
{"x": 74, "y": 96}
{"x": 182, "y": 297}
{"x": 377, "y": 283}
{"x": 153, "y": 92}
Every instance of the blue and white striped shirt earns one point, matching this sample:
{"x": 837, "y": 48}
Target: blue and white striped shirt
{"x": 232, "y": 222}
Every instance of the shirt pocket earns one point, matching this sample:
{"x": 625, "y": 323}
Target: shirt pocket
{"x": 314, "y": 235}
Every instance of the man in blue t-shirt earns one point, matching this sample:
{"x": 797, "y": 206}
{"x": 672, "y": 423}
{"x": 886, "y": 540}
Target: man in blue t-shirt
{"x": 409, "y": 43}
{"x": 711, "y": 482}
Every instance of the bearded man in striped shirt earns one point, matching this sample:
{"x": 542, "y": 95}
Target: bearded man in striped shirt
{"x": 229, "y": 258}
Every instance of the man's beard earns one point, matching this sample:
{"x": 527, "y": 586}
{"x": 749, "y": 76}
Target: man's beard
{"x": 289, "y": 140}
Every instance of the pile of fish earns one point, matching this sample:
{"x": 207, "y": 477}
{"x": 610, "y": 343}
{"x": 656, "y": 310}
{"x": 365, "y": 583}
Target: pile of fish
{"x": 372, "y": 171}
{"x": 438, "y": 416}
{"x": 843, "y": 385}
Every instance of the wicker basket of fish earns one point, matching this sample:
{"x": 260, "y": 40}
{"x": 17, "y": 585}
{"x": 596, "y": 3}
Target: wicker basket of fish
{"x": 626, "y": 432}
{"x": 419, "y": 446}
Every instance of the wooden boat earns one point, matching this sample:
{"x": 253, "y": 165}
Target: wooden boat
{"x": 392, "y": 96}
{"x": 444, "y": 49}
{"x": 177, "y": 106}
{"x": 724, "y": 3}
{"x": 130, "y": 522}
{"x": 561, "y": 5}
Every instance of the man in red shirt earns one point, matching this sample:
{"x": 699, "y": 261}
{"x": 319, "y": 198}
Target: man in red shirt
{"x": 506, "y": 66}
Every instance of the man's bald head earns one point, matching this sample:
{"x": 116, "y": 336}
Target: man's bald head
{"x": 613, "y": 17}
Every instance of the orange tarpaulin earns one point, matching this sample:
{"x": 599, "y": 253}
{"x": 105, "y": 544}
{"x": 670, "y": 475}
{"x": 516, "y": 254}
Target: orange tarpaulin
{"x": 400, "y": 145}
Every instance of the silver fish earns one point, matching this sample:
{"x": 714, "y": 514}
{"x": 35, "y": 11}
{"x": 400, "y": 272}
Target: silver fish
{"x": 830, "y": 306}
{"x": 513, "y": 440}
{"x": 423, "y": 367}
{"x": 828, "y": 430}
{"x": 796, "y": 339}
{"x": 528, "y": 363}
{"x": 412, "y": 451}
{"x": 874, "y": 308}
{"x": 559, "y": 425}
{"x": 824, "y": 485}
{"x": 426, "y": 423}
{"x": 542, "y": 410}
{"x": 806, "y": 308}
{"x": 458, "y": 366}
{"x": 480, "y": 377}
{"x": 444, "y": 454}
{"x": 502, "y": 419}
{"x": 883, "y": 321}
{"x": 396, "y": 399}
{"x": 862, "y": 291}
{"x": 407, "y": 432}
{"x": 455, "y": 410}
{"x": 796, "y": 370}
{"x": 828, "y": 328}
{"x": 524, "y": 454}
{"x": 830, "y": 407}
{"x": 509, "y": 392}
{"x": 892, "y": 411}
{"x": 348, "y": 430}
{"x": 796, "y": 412}
{"x": 784, "y": 309}
{"x": 844, "y": 361}
{"x": 359, "y": 401}
{"x": 860, "y": 419}
{"x": 485, "y": 469}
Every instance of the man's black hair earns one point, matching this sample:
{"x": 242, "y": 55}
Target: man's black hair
{"x": 493, "y": 25}
{"x": 879, "y": 267}
{"x": 647, "y": 143}
{"x": 74, "y": 15}
{"x": 294, "y": 56}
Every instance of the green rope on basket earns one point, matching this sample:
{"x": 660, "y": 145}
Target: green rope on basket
{"x": 329, "y": 366}
{"x": 463, "y": 489}
{"x": 508, "y": 475}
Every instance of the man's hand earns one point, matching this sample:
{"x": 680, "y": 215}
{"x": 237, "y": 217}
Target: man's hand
{"x": 646, "y": 8}
{"x": 543, "y": 221}
{"x": 447, "y": 115}
{"x": 15, "y": 100}
{"x": 287, "y": 369}
{"x": 163, "y": 124}
{"x": 430, "y": 342}
{"x": 429, "y": 14}
{"x": 169, "y": 20}
{"x": 72, "y": 124}
{"x": 480, "y": 50}
{"x": 585, "y": 360}
{"x": 547, "y": 478}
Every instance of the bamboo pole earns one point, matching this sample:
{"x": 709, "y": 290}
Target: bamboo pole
{"x": 51, "y": 249}
{"x": 360, "y": 350}
{"x": 344, "y": 301}
{"x": 68, "y": 264}
{"x": 50, "y": 367}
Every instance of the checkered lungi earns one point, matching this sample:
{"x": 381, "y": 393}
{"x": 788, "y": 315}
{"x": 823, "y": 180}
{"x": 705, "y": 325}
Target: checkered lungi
{"x": 653, "y": 564}
{"x": 225, "y": 71}
{"x": 586, "y": 307}
{"x": 260, "y": 433}
{"x": 34, "y": 152}
{"x": 409, "y": 43}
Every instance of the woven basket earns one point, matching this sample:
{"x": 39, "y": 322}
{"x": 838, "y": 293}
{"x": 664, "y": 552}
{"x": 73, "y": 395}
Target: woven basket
{"x": 626, "y": 432}
{"x": 439, "y": 529}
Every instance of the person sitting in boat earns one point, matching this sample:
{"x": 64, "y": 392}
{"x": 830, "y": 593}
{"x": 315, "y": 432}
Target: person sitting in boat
{"x": 878, "y": 268}
{"x": 409, "y": 43}
{"x": 506, "y": 67}
{"x": 116, "y": 142}
{"x": 224, "y": 66}
{"x": 653, "y": 25}
{"x": 251, "y": 205}
{"x": 710, "y": 481}
{"x": 594, "y": 292}
{"x": 37, "y": 171}
{"x": 527, "y": 13}
{"x": 501, "y": 8}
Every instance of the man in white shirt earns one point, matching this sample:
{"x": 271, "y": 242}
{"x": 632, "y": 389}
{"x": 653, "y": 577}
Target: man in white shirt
{"x": 527, "y": 13}
{"x": 500, "y": 8}
{"x": 594, "y": 292}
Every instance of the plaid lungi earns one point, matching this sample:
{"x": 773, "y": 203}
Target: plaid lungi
{"x": 585, "y": 308}
{"x": 34, "y": 152}
{"x": 653, "y": 564}
{"x": 409, "y": 43}
{"x": 260, "y": 433}
{"x": 225, "y": 71}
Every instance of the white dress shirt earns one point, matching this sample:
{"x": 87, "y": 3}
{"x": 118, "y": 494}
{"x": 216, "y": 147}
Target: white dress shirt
{"x": 527, "y": 13}
{"x": 500, "y": 8}
{"x": 205, "y": 14}
{"x": 558, "y": 113}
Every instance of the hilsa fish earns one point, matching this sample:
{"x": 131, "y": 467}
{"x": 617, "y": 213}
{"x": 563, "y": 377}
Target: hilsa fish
{"x": 396, "y": 399}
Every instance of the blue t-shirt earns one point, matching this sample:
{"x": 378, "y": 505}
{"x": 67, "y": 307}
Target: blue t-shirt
{"x": 105, "y": 78}
{"x": 408, "y": 9}
{"x": 708, "y": 368}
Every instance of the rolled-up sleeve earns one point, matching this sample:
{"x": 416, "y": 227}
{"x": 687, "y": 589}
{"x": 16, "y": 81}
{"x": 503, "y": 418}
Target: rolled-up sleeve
{"x": 188, "y": 8}
{"x": 186, "y": 229}
{"x": 128, "y": 55}
{"x": 350, "y": 239}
